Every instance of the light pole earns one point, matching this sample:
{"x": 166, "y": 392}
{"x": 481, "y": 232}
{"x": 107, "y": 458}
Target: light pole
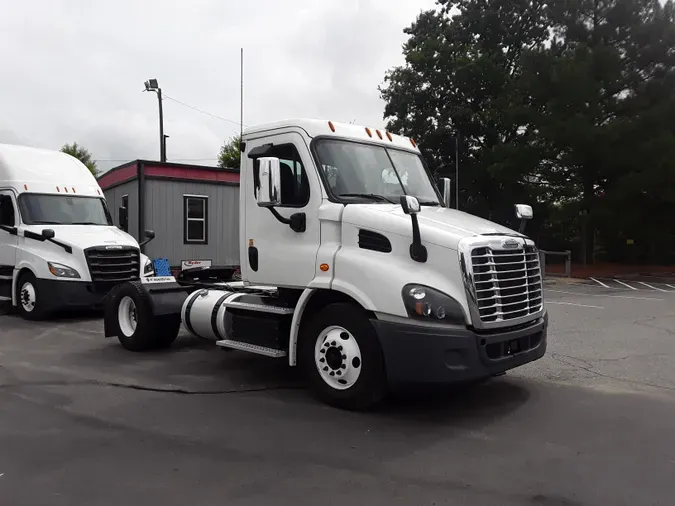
{"x": 152, "y": 85}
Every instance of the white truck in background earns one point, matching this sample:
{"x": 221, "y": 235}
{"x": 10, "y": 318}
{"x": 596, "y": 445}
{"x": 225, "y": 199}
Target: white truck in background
{"x": 59, "y": 248}
{"x": 354, "y": 268}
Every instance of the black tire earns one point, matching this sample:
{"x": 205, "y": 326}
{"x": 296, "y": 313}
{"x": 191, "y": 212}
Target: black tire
{"x": 151, "y": 332}
{"x": 38, "y": 312}
{"x": 370, "y": 387}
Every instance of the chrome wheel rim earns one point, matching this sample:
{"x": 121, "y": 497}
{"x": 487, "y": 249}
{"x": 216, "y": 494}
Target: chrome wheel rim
{"x": 337, "y": 357}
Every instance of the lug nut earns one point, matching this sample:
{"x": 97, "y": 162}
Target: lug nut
{"x": 340, "y": 348}
{"x": 344, "y": 357}
{"x": 343, "y": 366}
{"x": 339, "y": 373}
{"x": 332, "y": 373}
{"x": 325, "y": 368}
{"x": 332, "y": 343}
{"x": 322, "y": 360}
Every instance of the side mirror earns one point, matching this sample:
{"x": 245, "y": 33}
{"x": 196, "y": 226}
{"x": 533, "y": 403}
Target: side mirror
{"x": 524, "y": 212}
{"x": 122, "y": 217}
{"x": 446, "y": 191}
{"x": 269, "y": 192}
{"x": 410, "y": 204}
{"x": 48, "y": 233}
{"x": 149, "y": 236}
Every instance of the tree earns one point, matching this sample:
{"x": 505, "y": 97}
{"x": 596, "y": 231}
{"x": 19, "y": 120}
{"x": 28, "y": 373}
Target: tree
{"x": 567, "y": 105}
{"x": 230, "y": 153}
{"x": 82, "y": 154}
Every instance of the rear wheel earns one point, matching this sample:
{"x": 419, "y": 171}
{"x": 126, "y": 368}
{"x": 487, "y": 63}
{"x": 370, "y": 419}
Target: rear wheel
{"x": 28, "y": 298}
{"x": 139, "y": 328}
{"x": 342, "y": 358}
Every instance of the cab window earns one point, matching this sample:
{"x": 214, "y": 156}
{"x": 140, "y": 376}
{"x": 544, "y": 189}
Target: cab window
{"x": 7, "y": 217}
{"x": 294, "y": 182}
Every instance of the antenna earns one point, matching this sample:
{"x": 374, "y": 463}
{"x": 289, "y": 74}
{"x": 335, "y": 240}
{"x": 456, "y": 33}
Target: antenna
{"x": 241, "y": 116}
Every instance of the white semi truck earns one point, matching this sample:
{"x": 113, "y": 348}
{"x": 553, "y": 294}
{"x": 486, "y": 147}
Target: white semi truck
{"x": 355, "y": 268}
{"x": 59, "y": 248}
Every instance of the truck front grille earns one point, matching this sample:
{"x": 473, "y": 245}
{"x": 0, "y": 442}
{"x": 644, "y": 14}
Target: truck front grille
{"x": 507, "y": 282}
{"x": 113, "y": 265}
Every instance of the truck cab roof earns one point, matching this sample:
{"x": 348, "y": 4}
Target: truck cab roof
{"x": 319, "y": 127}
{"x": 36, "y": 170}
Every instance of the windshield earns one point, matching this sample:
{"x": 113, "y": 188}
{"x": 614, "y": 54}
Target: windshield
{"x": 39, "y": 209}
{"x": 353, "y": 169}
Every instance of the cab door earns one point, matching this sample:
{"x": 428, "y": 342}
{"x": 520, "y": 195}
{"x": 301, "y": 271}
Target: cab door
{"x": 272, "y": 252}
{"x": 8, "y": 241}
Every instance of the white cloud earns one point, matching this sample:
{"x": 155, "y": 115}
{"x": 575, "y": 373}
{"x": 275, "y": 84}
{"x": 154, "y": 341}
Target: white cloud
{"x": 74, "y": 70}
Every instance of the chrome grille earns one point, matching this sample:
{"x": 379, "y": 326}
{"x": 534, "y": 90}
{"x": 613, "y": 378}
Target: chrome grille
{"x": 108, "y": 265}
{"x": 507, "y": 282}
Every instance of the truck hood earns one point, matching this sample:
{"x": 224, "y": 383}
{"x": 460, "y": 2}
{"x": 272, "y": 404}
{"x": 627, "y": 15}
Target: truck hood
{"x": 438, "y": 225}
{"x": 86, "y": 236}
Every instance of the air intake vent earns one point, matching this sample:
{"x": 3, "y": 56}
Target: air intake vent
{"x": 374, "y": 241}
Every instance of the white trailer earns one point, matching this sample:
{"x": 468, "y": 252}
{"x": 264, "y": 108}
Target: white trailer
{"x": 355, "y": 269}
{"x": 58, "y": 245}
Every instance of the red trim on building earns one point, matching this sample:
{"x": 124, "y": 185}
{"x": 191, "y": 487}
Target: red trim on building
{"x": 178, "y": 171}
{"x": 118, "y": 175}
{"x": 191, "y": 173}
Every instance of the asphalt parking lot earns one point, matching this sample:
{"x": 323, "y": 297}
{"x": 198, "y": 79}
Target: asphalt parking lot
{"x": 82, "y": 421}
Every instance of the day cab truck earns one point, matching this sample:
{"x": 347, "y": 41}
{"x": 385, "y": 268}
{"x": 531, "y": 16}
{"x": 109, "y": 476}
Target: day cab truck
{"x": 355, "y": 268}
{"x": 59, "y": 248}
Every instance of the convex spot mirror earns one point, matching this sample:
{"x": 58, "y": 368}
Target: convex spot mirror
{"x": 410, "y": 204}
{"x": 524, "y": 212}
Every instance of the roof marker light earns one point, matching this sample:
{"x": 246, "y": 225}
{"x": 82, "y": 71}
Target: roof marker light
{"x": 97, "y": 191}
{"x": 58, "y": 189}
{"x": 412, "y": 141}
{"x": 389, "y": 137}
{"x": 73, "y": 190}
{"x": 332, "y": 127}
{"x": 25, "y": 187}
{"x": 370, "y": 134}
{"x": 66, "y": 189}
{"x": 379, "y": 134}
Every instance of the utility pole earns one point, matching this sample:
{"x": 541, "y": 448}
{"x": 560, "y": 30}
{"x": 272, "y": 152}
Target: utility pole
{"x": 241, "y": 106}
{"x": 152, "y": 85}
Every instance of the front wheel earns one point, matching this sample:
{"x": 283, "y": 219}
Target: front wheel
{"x": 28, "y": 298}
{"x": 342, "y": 358}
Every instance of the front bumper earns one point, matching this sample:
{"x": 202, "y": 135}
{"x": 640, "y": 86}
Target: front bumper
{"x": 58, "y": 294}
{"x": 438, "y": 355}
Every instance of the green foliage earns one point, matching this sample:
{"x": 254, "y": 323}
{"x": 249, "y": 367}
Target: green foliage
{"x": 82, "y": 154}
{"x": 565, "y": 105}
{"x": 230, "y": 153}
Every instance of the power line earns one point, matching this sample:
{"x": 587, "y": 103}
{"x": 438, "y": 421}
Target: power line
{"x": 200, "y": 111}
{"x": 172, "y": 159}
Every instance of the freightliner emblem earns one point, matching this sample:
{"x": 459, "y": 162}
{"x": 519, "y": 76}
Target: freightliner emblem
{"x": 510, "y": 244}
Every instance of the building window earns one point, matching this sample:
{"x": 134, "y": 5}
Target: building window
{"x": 195, "y": 219}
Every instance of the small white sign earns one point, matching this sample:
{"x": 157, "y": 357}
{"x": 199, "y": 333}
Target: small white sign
{"x": 158, "y": 279}
{"x": 194, "y": 264}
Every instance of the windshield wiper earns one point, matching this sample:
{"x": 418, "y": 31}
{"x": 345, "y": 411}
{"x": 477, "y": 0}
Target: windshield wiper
{"x": 86, "y": 223}
{"x": 429, "y": 203}
{"x": 372, "y": 196}
{"x": 46, "y": 222}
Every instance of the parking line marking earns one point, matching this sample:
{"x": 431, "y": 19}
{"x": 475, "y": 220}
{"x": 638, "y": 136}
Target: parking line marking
{"x": 600, "y": 283}
{"x": 652, "y": 287}
{"x": 604, "y": 295}
{"x": 625, "y": 284}
{"x": 572, "y": 304}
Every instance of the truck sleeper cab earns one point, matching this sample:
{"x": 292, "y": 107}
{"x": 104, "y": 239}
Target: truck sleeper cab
{"x": 355, "y": 268}
{"x": 58, "y": 246}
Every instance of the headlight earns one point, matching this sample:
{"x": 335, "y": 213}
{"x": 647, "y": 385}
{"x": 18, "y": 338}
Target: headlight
{"x": 148, "y": 268}
{"x": 62, "y": 271}
{"x": 429, "y": 304}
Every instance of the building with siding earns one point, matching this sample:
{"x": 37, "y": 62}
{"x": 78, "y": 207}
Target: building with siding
{"x": 193, "y": 210}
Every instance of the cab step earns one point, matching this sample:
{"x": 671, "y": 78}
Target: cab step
{"x": 252, "y": 348}
{"x": 263, "y": 308}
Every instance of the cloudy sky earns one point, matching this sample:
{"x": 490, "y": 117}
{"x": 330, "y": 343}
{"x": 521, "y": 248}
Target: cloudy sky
{"x": 73, "y": 70}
